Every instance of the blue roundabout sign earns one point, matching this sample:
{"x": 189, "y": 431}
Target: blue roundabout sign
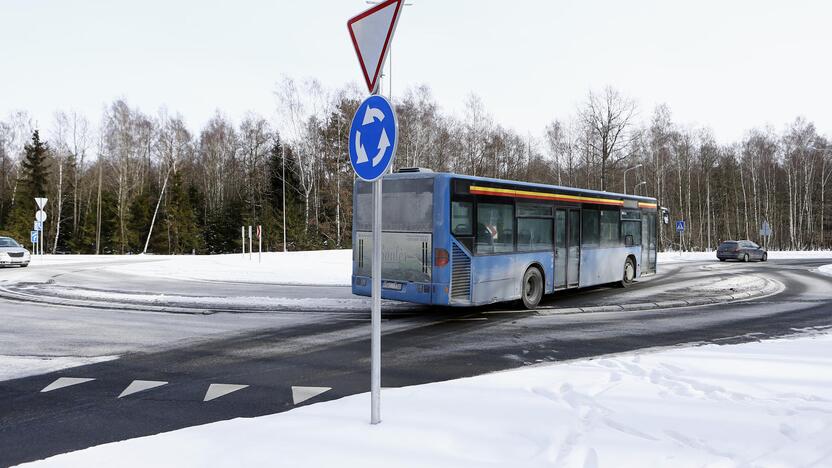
{"x": 373, "y": 138}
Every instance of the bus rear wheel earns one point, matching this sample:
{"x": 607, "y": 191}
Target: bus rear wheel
{"x": 629, "y": 273}
{"x": 532, "y": 288}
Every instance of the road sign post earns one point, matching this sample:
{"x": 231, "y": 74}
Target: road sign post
{"x": 373, "y": 138}
{"x": 680, "y": 228}
{"x": 765, "y": 233}
{"x": 250, "y": 244}
{"x": 259, "y": 243}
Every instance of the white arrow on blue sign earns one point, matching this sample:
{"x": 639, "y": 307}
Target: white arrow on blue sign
{"x": 680, "y": 226}
{"x": 373, "y": 138}
{"x": 34, "y": 236}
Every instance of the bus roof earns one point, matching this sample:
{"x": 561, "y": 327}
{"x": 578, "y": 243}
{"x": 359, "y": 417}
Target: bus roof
{"x": 527, "y": 185}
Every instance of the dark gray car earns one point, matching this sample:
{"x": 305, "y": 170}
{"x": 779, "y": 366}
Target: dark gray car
{"x": 11, "y": 253}
{"x": 743, "y": 250}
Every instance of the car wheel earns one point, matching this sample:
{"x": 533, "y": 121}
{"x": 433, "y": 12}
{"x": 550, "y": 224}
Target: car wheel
{"x": 745, "y": 258}
{"x": 629, "y": 273}
{"x": 532, "y": 288}
{"x": 721, "y": 259}
{"x": 765, "y": 257}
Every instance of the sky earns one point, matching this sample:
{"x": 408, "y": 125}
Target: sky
{"x": 726, "y": 65}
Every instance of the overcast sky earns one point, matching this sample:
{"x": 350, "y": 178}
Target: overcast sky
{"x": 728, "y": 65}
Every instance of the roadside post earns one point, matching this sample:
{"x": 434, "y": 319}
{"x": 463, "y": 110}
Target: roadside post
{"x": 680, "y": 228}
{"x": 372, "y": 145}
{"x": 259, "y": 243}
{"x": 34, "y": 237}
{"x": 250, "y": 242}
{"x": 40, "y": 218}
{"x": 243, "y": 231}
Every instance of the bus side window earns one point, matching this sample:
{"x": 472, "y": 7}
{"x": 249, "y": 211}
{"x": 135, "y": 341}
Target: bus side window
{"x": 631, "y": 231}
{"x": 495, "y": 228}
{"x": 609, "y": 228}
{"x": 590, "y": 227}
{"x": 462, "y": 218}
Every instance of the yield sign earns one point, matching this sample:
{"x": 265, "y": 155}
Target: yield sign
{"x": 41, "y": 202}
{"x": 371, "y": 33}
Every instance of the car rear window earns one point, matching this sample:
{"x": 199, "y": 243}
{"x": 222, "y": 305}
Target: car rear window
{"x": 728, "y": 245}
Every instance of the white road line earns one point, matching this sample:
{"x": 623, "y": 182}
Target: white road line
{"x": 301, "y": 394}
{"x": 141, "y": 385}
{"x": 218, "y": 390}
{"x": 64, "y": 382}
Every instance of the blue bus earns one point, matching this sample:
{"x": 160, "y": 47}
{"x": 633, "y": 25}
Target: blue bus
{"x": 457, "y": 240}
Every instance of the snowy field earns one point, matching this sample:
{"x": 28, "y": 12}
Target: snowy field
{"x": 676, "y": 257}
{"x": 766, "y": 404}
{"x": 321, "y": 267}
{"x": 16, "y": 367}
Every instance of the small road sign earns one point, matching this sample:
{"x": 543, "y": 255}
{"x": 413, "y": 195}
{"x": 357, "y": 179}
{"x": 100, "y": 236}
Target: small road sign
{"x": 41, "y": 202}
{"x": 680, "y": 226}
{"x": 765, "y": 230}
{"x": 40, "y": 216}
{"x": 34, "y": 236}
{"x": 373, "y": 138}
{"x": 371, "y": 33}
{"x": 38, "y": 226}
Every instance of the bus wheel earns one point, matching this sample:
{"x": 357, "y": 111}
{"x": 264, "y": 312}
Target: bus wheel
{"x": 532, "y": 288}
{"x": 629, "y": 273}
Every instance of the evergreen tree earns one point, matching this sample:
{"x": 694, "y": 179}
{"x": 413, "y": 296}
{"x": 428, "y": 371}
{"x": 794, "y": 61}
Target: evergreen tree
{"x": 33, "y": 181}
{"x": 184, "y": 228}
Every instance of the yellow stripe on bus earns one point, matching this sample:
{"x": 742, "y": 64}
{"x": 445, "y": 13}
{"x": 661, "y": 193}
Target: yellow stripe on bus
{"x": 541, "y": 195}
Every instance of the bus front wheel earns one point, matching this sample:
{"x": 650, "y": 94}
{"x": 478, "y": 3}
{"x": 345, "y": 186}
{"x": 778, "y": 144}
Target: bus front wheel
{"x": 629, "y": 273}
{"x": 532, "y": 288}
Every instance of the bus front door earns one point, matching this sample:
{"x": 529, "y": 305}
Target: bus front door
{"x": 567, "y": 247}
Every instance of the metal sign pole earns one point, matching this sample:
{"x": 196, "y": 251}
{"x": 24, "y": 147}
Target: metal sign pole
{"x": 259, "y": 244}
{"x": 243, "y": 230}
{"x": 375, "y": 353}
{"x": 250, "y": 244}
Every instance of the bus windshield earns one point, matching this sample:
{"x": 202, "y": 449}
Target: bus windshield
{"x": 408, "y": 205}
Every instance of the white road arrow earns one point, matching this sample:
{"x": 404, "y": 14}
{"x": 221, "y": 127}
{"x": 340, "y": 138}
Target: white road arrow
{"x": 361, "y": 155}
{"x": 372, "y": 113}
{"x": 383, "y": 144}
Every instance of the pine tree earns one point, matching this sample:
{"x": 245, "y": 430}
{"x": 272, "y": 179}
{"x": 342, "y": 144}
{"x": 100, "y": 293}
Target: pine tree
{"x": 34, "y": 173}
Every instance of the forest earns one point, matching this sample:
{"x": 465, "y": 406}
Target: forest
{"x": 135, "y": 182}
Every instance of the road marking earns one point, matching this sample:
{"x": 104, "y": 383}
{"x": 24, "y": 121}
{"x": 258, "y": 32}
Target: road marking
{"x": 217, "y": 390}
{"x": 301, "y": 394}
{"x": 141, "y": 385}
{"x": 64, "y": 382}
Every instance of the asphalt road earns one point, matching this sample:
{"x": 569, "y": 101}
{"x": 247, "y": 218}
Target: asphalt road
{"x": 270, "y": 353}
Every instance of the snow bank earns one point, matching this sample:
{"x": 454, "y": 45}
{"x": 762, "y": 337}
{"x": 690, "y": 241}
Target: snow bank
{"x": 16, "y": 367}
{"x": 760, "y": 404}
{"x": 677, "y": 257}
{"x": 320, "y": 267}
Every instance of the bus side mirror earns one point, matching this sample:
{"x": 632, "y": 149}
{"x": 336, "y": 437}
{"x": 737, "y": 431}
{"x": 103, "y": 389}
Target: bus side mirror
{"x": 665, "y": 216}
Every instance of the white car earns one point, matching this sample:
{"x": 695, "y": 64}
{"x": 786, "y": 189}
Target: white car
{"x": 11, "y": 253}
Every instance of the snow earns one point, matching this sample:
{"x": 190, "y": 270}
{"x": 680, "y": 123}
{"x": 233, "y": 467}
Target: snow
{"x": 213, "y": 302}
{"x": 678, "y": 257}
{"x": 319, "y": 267}
{"x": 756, "y": 404}
{"x": 16, "y": 367}
{"x": 826, "y": 270}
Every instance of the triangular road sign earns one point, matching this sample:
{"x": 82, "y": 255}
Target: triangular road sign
{"x": 41, "y": 202}
{"x": 371, "y": 33}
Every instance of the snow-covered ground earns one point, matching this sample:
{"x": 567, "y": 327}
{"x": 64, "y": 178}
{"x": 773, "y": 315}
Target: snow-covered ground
{"x": 321, "y": 267}
{"x": 15, "y": 367}
{"x": 756, "y": 404}
{"x": 676, "y": 257}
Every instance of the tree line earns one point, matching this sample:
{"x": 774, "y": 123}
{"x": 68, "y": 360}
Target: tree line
{"x": 138, "y": 182}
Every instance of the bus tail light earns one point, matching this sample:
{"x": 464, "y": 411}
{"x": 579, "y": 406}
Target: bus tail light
{"x": 440, "y": 257}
